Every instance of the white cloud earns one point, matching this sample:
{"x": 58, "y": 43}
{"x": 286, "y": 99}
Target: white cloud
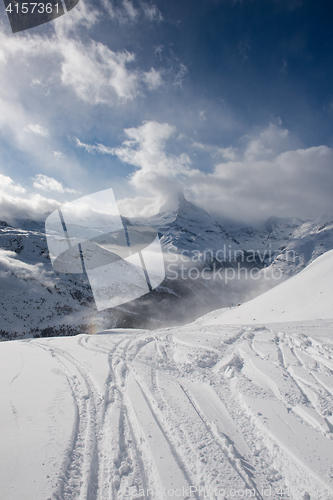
{"x": 7, "y": 185}
{"x": 145, "y": 149}
{"x": 97, "y": 148}
{"x": 126, "y": 12}
{"x": 139, "y": 206}
{"x": 123, "y": 13}
{"x": 179, "y": 76}
{"x": 267, "y": 143}
{"x": 97, "y": 74}
{"x": 151, "y": 12}
{"x": 267, "y": 177}
{"x": 14, "y": 203}
{"x": 46, "y": 183}
{"x": 58, "y": 154}
{"x": 229, "y": 153}
{"x": 90, "y": 70}
{"x": 10, "y": 264}
{"x": 131, "y": 11}
{"x": 264, "y": 177}
{"x": 84, "y": 15}
{"x": 157, "y": 171}
{"x": 37, "y": 129}
{"x": 153, "y": 79}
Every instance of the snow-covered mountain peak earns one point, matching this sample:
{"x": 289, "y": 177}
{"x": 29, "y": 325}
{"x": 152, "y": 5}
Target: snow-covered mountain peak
{"x": 183, "y": 209}
{"x": 173, "y": 204}
{"x": 187, "y": 227}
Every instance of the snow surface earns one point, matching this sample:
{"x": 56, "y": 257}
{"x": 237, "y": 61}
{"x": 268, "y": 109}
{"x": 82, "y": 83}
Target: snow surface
{"x": 305, "y": 296}
{"x": 202, "y": 411}
{"x": 211, "y": 410}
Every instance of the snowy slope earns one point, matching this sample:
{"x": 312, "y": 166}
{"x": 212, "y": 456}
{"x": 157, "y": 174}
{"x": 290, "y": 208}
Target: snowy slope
{"x": 216, "y": 412}
{"x": 306, "y": 296}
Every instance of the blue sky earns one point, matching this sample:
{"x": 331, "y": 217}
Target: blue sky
{"x": 229, "y": 101}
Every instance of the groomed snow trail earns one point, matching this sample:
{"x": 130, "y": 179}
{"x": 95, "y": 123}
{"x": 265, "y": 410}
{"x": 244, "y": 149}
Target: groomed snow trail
{"x": 205, "y": 412}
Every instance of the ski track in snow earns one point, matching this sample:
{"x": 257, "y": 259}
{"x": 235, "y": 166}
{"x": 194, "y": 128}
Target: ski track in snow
{"x": 214, "y": 412}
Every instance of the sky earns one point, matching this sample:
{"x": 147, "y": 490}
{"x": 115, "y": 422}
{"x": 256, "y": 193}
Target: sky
{"x": 227, "y": 101}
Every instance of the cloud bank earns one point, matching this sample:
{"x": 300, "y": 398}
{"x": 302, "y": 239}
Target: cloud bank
{"x": 262, "y": 177}
{"x": 46, "y": 183}
{"x": 16, "y": 203}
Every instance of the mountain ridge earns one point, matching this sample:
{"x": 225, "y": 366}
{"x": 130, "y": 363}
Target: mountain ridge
{"x": 36, "y": 300}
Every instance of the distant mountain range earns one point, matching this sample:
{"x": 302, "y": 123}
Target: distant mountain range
{"x": 200, "y": 253}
